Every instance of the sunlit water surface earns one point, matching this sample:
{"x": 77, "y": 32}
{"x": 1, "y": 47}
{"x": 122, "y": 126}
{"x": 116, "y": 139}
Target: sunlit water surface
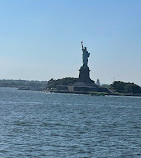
{"x": 43, "y": 125}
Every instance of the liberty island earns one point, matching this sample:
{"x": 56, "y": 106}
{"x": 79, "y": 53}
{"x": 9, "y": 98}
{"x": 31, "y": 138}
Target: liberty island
{"x": 83, "y": 84}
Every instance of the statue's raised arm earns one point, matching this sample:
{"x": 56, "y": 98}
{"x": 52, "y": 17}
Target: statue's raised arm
{"x": 85, "y": 55}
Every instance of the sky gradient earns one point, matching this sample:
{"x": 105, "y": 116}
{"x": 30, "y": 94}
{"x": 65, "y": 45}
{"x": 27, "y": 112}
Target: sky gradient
{"x": 40, "y": 39}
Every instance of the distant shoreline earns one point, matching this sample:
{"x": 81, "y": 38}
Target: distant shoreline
{"x": 24, "y": 84}
{"x": 93, "y": 93}
{"x": 78, "y": 92}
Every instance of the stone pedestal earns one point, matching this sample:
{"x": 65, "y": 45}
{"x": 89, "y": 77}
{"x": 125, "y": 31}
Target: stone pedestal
{"x": 84, "y": 74}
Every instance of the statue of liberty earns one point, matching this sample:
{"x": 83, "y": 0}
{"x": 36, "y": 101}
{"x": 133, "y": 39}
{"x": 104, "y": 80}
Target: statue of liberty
{"x": 85, "y": 55}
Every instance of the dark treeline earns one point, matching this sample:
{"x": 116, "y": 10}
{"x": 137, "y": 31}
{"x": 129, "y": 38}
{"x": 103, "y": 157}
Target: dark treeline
{"x": 25, "y": 84}
{"x": 64, "y": 81}
{"x": 116, "y": 86}
{"x": 126, "y": 87}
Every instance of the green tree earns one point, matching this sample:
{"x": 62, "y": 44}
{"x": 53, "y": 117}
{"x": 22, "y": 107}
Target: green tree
{"x": 118, "y": 86}
{"x": 123, "y": 87}
{"x": 132, "y": 88}
{"x": 64, "y": 81}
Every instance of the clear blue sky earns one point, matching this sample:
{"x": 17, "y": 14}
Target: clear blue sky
{"x": 40, "y": 39}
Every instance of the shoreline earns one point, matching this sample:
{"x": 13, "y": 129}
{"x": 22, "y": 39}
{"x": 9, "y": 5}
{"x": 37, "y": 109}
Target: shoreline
{"x": 94, "y": 93}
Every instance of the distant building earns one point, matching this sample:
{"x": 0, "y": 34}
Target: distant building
{"x": 98, "y": 82}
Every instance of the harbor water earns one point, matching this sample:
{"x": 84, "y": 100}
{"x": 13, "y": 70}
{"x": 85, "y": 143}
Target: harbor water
{"x": 47, "y": 125}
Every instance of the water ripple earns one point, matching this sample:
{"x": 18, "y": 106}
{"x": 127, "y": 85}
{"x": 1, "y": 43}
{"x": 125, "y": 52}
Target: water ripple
{"x": 39, "y": 125}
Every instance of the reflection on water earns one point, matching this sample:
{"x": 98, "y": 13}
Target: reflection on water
{"x": 40, "y": 125}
